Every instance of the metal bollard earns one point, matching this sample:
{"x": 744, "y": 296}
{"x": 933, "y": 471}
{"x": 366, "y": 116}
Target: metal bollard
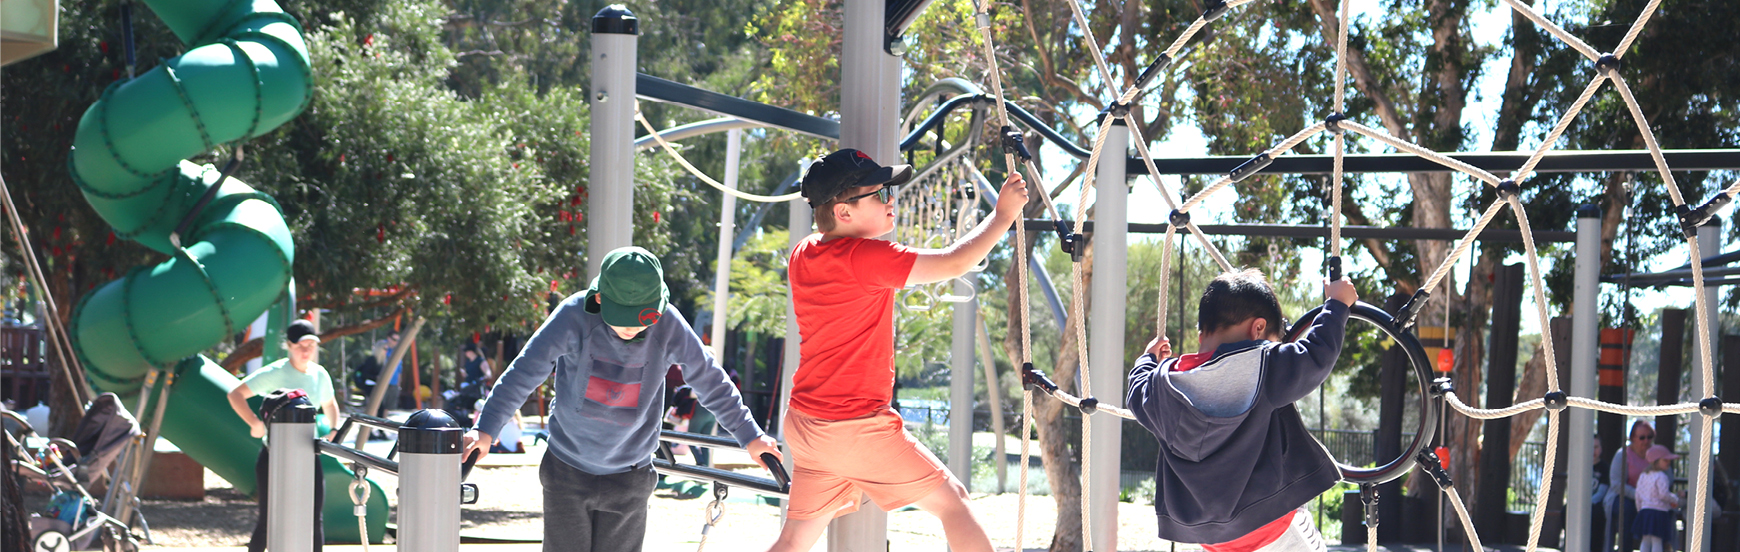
{"x": 429, "y": 483}
{"x": 290, "y": 482}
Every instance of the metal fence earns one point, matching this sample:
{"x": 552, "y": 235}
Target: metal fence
{"x": 1353, "y": 447}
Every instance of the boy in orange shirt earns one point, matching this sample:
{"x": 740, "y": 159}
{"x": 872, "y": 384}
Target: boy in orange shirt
{"x": 843, "y": 437}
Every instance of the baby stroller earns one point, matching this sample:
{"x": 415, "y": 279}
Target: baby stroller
{"x": 75, "y": 518}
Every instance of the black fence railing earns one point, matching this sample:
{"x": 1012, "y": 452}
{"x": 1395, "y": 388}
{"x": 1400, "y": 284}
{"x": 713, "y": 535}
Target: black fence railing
{"x": 1352, "y": 447}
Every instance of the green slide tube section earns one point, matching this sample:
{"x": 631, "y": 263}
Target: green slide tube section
{"x": 246, "y": 73}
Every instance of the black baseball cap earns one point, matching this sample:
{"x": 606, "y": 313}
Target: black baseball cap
{"x": 846, "y": 169}
{"x": 300, "y": 330}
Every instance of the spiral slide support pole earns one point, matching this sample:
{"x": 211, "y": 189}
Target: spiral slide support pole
{"x": 245, "y": 73}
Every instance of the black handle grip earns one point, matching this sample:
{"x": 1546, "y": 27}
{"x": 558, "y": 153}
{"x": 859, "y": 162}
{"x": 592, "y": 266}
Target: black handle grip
{"x": 470, "y": 462}
{"x": 778, "y": 469}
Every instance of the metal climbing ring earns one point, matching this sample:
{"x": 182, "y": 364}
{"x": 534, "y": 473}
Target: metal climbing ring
{"x": 1429, "y": 412}
{"x": 927, "y": 300}
{"x": 948, "y": 295}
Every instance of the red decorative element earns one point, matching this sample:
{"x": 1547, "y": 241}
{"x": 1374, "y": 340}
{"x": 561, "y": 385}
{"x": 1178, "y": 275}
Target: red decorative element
{"x": 553, "y": 284}
{"x": 1443, "y": 457}
{"x": 341, "y": 158}
{"x": 111, "y": 240}
{"x": 648, "y": 316}
{"x": 369, "y": 40}
{"x": 389, "y": 158}
{"x": 447, "y": 300}
{"x": 1446, "y": 360}
{"x": 570, "y": 229}
{"x": 864, "y": 156}
{"x": 56, "y": 232}
{"x": 381, "y": 234}
{"x": 476, "y": 337}
{"x": 104, "y": 45}
{"x": 655, "y": 217}
{"x": 610, "y": 393}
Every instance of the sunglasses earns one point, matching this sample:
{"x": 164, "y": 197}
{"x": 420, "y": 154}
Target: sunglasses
{"x": 884, "y": 194}
{"x": 1645, "y": 437}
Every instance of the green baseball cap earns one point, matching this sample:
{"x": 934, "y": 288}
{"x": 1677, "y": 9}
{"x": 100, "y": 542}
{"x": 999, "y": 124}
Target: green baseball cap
{"x": 631, "y": 288}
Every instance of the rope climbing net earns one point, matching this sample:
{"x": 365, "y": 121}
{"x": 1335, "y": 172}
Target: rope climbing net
{"x": 1607, "y": 69}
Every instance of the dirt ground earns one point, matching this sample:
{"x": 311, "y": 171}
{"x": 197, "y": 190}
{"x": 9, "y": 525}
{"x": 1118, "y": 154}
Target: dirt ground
{"x": 510, "y": 507}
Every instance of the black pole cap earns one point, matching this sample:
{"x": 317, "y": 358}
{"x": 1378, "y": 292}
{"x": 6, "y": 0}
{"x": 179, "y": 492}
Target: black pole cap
{"x": 1588, "y": 210}
{"x": 615, "y": 19}
{"x": 430, "y": 432}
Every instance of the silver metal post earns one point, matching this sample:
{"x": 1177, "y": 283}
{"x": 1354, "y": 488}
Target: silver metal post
{"x": 727, "y": 227}
{"x": 1586, "y": 297}
{"x": 429, "y": 483}
{"x": 961, "y": 366}
{"x": 799, "y": 227}
{"x": 1108, "y": 294}
{"x": 291, "y": 479}
{"x": 610, "y": 211}
{"x": 869, "y": 121}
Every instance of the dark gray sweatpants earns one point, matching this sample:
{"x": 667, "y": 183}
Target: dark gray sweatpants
{"x": 594, "y": 513}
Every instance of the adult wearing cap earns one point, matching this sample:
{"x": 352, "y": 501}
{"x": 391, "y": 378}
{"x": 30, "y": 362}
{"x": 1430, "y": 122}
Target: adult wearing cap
{"x": 845, "y": 439}
{"x": 294, "y": 372}
{"x": 609, "y": 347}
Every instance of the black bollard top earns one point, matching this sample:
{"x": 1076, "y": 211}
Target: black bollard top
{"x": 430, "y": 432}
{"x": 1589, "y": 210}
{"x": 615, "y": 19}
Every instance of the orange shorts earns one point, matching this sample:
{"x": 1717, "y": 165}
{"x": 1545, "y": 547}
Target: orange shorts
{"x": 838, "y": 459}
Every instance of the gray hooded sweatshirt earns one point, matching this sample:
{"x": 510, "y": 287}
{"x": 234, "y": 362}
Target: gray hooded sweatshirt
{"x": 1234, "y": 453}
{"x": 610, "y": 392}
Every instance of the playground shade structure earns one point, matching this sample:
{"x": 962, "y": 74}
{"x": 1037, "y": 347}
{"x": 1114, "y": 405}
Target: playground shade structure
{"x": 245, "y": 73}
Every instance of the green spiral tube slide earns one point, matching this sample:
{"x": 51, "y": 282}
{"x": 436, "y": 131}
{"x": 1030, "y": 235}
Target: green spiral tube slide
{"x": 246, "y": 73}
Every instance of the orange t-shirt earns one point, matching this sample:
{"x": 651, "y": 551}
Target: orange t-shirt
{"x": 843, "y": 291}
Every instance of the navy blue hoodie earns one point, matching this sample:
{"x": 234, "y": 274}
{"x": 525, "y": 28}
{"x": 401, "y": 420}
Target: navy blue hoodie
{"x": 1234, "y": 453}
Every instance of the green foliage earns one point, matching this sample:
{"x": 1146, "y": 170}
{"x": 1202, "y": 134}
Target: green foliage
{"x": 759, "y": 293}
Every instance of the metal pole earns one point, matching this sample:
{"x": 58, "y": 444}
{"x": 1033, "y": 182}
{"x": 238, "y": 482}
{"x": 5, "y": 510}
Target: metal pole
{"x": 429, "y": 483}
{"x": 1584, "y": 335}
{"x": 727, "y": 226}
{"x": 869, "y": 121}
{"x": 290, "y": 484}
{"x": 609, "y": 217}
{"x": 961, "y": 367}
{"x": 799, "y": 227}
{"x": 1709, "y": 241}
{"x": 1106, "y": 331}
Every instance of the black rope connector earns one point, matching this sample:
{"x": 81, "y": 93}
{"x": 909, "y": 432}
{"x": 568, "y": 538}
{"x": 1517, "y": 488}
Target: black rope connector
{"x": 1333, "y": 122}
{"x": 1178, "y": 219}
{"x": 1089, "y": 405}
{"x": 1556, "y": 401}
{"x": 1411, "y": 309}
{"x": 1441, "y": 387}
{"x": 1508, "y": 189}
{"x": 1334, "y": 268}
{"x": 1214, "y": 10}
{"x": 1031, "y": 377}
{"x": 1154, "y": 68}
{"x": 1072, "y": 243}
{"x": 1608, "y": 64}
{"x": 1251, "y": 167}
{"x": 1015, "y": 143}
{"x": 1369, "y": 496}
{"x": 1692, "y": 218}
{"x": 1434, "y": 467}
{"x": 1710, "y": 406}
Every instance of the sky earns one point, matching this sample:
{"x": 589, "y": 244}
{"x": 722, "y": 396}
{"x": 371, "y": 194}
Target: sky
{"x": 1490, "y": 26}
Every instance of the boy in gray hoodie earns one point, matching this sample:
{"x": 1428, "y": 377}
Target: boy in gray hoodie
{"x": 1236, "y": 461}
{"x": 609, "y": 348}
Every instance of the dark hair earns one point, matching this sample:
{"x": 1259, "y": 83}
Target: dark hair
{"x": 1235, "y": 297}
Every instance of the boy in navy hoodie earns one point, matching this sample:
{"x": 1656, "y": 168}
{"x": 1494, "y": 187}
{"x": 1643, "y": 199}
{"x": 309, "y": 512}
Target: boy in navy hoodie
{"x": 1236, "y": 461}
